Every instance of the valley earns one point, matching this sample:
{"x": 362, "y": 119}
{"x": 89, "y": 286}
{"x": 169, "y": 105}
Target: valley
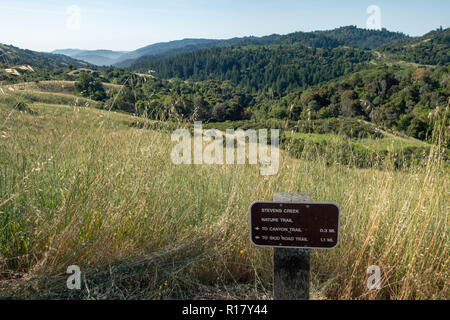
{"x": 86, "y": 176}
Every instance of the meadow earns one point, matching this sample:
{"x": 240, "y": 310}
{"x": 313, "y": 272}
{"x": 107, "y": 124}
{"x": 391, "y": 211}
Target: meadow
{"x": 84, "y": 186}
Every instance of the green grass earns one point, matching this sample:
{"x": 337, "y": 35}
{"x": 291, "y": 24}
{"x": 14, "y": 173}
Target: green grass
{"x": 53, "y": 86}
{"x": 83, "y": 186}
{"x": 29, "y": 96}
{"x": 358, "y": 152}
{"x": 391, "y": 144}
{"x": 313, "y": 137}
{"x": 380, "y": 144}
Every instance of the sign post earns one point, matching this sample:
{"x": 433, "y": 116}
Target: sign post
{"x": 293, "y": 225}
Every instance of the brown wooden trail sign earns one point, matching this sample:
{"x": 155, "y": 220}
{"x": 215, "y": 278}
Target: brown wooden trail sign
{"x": 294, "y": 225}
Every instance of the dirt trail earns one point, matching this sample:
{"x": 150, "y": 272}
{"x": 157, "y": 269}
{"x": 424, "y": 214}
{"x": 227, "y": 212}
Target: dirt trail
{"x": 393, "y": 136}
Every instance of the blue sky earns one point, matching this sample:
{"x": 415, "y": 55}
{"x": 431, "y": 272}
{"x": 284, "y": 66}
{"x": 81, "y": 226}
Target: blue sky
{"x": 45, "y": 25}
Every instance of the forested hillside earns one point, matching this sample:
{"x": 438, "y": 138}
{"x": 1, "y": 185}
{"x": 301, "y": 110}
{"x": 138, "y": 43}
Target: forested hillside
{"x": 10, "y": 56}
{"x": 344, "y": 36}
{"x": 432, "y": 49}
{"x": 278, "y": 68}
{"x": 302, "y": 76}
{"x": 363, "y": 38}
{"x": 391, "y": 98}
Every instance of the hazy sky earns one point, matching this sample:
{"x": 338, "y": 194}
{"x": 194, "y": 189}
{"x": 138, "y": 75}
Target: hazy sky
{"x": 45, "y": 25}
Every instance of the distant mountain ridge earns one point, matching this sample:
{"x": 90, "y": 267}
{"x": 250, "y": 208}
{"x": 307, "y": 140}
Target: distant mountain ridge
{"x": 166, "y": 48}
{"x": 125, "y": 58}
{"x": 96, "y": 57}
{"x": 344, "y": 36}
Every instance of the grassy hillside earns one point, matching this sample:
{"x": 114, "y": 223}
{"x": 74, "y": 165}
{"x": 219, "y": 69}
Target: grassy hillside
{"x": 51, "y": 92}
{"x": 86, "y": 176}
{"x": 84, "y": 186}
{"x": 51, "y": 86}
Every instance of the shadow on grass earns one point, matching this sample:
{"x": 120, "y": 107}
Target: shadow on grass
{"x": 169, "y": 273}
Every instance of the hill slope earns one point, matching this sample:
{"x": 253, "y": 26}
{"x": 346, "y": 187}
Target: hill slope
{"x": 105, "y": 195}
{"x": 363, "y": 38}
{"x": 11, "y": 56}
{"x": 345, "y": 36}
{"x": 432, "y": 48}
{"x": 279, "y": 67}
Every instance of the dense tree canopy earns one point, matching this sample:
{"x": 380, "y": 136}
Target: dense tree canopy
{"x": 280, "y": 68}
{"x": 88, "y": 86}
{"x": 432, "y": 49}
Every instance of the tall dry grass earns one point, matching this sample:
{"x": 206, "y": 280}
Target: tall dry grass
{"x": 80, "y": 186}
